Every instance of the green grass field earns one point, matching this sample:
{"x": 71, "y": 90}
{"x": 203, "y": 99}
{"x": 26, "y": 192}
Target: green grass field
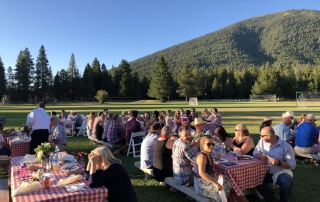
{"x": 306, "y": 177}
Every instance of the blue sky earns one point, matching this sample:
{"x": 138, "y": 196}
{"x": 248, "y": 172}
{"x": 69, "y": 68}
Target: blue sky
{"x": 112, "y": 30}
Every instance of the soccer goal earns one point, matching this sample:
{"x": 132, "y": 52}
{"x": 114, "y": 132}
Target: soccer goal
{"x": 263, "y": 98}
{"x": 307, "y": 99}
{"x": 193, "y": 101}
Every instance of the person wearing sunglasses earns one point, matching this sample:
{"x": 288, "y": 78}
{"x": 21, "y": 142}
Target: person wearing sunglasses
{"x": 205, "y": 178}
{"x": 104, "y": 169}
{"x": 242, "y": 141}
{"x": 281, "y": 160}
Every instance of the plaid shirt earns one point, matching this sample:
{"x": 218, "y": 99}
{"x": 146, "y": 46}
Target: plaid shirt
{"x": 114, "y": 132}
{"x": 96, "y": 121}
{"x": 59, "y": 135}
{"x": 105, "y": 126}
{"x": 181, "y": 161}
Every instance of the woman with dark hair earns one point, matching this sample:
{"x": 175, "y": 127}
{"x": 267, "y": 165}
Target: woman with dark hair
{"x": 221, "y": 135}
{"x": 267, "y": 121}
{"x": 176, "y": 122}
{"x": 99, "y": 127}
{"x": 188, "y": 114}
{"x": 155, "y": 117}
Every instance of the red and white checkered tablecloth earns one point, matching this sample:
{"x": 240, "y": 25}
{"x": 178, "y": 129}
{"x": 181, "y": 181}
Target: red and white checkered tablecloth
{"x": 20, "y": 148}
{"x": 54, "y": 193}
{"x": 246, "y": 174}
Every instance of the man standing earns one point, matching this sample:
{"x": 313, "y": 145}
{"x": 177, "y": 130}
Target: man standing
{"x": 147, "y": 146}
{"x": 281, "y": 160}
{"x": 132, "y": 125}
{"x": 77, "y": 118}
{"x": 58, "y": 133}
{"x": 282, "y": 130}
{"x": 39, "y": 121}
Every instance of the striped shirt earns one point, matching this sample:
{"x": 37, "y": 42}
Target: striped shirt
{"x": 59, "y": 135}
{"x": 182, "y": 155}
{"x": 281, "y": 151}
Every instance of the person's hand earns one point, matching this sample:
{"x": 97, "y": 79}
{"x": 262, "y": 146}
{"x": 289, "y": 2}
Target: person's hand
{"x": 93, "y": 157}
{"x": 273, "y": 161}
{"x": 263, "y": 157}
{"x": 218, "y": 186}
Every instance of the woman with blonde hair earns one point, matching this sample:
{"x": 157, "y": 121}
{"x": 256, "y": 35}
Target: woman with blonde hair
{"x": 105, "y": 170}
{"x": 91, "y": 118}
{"x": 302, "y": 119}
{"x": 205, "y": 115}
{"x": 242, "y": 141}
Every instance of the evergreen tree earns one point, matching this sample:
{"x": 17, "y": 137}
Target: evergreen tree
{"x": 73, "y": 79}
{"x": 42, "y": 74}
{"x": 186, "y": 83}
{"x": 142, "y": 89}
{"x": 2, "y": 79}
{"x": 96, "y": 75}
{"x": 64, "y": 84}
{"x": 57, "y": 86}
{"x": 161, "y": 79}
{"x": 126, "y": 85}
{"x": 87, "y": 82}
{"x": 24, "y": 74}
{"x": 266, "y": 82}
{"x": 10, "y": 81}
{"x": 125, "y": 67}
{"x": 216, "y": 89}
{"x": 105, "y": 78}
{"x": 116, "y": 76}
{"x": 50, "y": 81}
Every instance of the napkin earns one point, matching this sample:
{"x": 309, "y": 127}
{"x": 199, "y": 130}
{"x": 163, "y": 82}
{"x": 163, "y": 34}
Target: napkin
{"x": 26, "y": 187}
{"x": 67, "y": 158}
{"x": 69, "y": 180}
{"x": 28, "y": 158}
{"x": 76, "y": 187}
{"x": 76, "y": 172}
{"x": 18, "y": 139}
{"x": 222, "y": 194}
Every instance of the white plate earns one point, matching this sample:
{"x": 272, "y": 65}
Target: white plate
{"x": 220, "y": 160}
{"x": 67, "y": 168}
{"x": 246, "y": 157}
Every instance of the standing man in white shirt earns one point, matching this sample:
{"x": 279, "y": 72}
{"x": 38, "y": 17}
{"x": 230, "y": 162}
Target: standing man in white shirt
{"x": 39, "y": 121}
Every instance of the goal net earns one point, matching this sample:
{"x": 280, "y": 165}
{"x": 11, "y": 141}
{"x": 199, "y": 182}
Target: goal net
{"x": 193, "y": 101}
{"x": 263, "y": 98}
{"x": 307, "y": 99}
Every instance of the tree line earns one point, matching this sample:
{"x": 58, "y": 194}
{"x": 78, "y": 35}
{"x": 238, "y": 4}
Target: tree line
{"x": 31, "y": 80}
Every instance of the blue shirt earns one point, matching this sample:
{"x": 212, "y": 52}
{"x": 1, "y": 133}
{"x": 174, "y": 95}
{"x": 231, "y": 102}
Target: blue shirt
{"x": 305, "y": 135}
{"x": 282, "y": 131}
{"x": 282, "y": 151}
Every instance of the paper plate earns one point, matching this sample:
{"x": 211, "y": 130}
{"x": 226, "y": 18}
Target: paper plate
{"x": 220, "y": 160}
{"x": 67, "y": 168}
{"x": 246, "y": 157}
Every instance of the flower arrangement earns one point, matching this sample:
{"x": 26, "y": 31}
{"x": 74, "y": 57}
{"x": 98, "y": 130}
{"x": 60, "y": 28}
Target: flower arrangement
{"x": 43, "y": 150}
{"x": 24, "y": 128}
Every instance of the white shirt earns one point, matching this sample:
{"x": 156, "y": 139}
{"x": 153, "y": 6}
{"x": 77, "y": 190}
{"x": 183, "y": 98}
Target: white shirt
{"x": 38, "y": 119}
{"x": 1, "y": 140}
{"x": 147, "y": 150}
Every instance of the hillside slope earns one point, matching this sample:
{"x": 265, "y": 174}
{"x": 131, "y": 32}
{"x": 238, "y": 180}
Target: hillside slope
{"x": 288, "y": 37}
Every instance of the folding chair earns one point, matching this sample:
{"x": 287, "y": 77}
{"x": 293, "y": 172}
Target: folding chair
{"x": 82, "y": 129}
{"x": 133, "y": 145}
{"x": 68, "y": 125}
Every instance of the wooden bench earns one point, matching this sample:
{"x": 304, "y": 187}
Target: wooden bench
{"x": 187, "y": 190}
{"x": 4, "y": 162}
{"x": 255, "y": 192}
{"x": 4, "y": 190}
{"x": 145, "y": 170}
{"x": 111, "y": 146}
{"x": 310, "y": 156}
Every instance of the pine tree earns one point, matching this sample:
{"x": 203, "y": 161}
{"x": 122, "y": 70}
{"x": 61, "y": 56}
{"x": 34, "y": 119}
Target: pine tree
{"x": 143, "y": 88}
{"x": 64, "y": 84}
{"x": 42, "y": 74}
{"x": 135, "y": 84}
{"x": 73, "y": 79}
{"x": 10, "y": 81}
{"x": 96, "y": 75}
{"x": 24, "y": 74}
{"x": 161, "y": 79}
{"x": 2, "y": 79}
{"x": 266, "y": 82}
{"x": 186, "y": 83}
{"x": 216, "y": 89}
{"x": 57, "y": 86}
{"x": 105, "y": 78}
{"x": 116, "y": 76}
{"x": 87, "y": 82}
{"x": 126, "y": 87}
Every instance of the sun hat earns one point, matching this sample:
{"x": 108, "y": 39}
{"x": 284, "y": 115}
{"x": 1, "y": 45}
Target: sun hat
{"x": 310, "y": 117}
{"x": 73, "y": 111}
{"x": 198, "y": 121}
{"x": 3, "y": 119}
{"x": 267, "y": 118}
{"x": 154, "y": 127}
{"x": 287, "y": 114}
{"x": 241, "y": 127}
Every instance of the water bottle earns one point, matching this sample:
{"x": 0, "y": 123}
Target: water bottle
{"x": 22, "y": 171}
{"x": 235, "y": 156}
{"x": 56, "y": 150}
{"x": 223, "y": 148}
{"x": 51, "y": 160}
{"x": 55, "y": 163}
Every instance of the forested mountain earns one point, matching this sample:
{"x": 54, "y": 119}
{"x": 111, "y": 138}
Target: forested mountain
{"x": 288, "y": 37}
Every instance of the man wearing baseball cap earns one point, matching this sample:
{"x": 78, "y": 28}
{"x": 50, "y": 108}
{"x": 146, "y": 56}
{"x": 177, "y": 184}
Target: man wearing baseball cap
{"x": 306, "y": 136}
{"x": 282, "y": 130}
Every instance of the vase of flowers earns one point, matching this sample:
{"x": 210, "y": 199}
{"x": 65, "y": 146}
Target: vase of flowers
{"x": 43, "y": 152}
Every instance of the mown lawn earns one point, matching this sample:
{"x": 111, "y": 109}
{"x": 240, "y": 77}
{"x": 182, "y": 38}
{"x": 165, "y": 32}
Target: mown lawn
{"x": 306, "y": 177}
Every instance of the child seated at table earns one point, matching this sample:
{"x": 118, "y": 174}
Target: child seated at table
{"x": 4, "y": 146}
{"x": 105, "y": 170}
